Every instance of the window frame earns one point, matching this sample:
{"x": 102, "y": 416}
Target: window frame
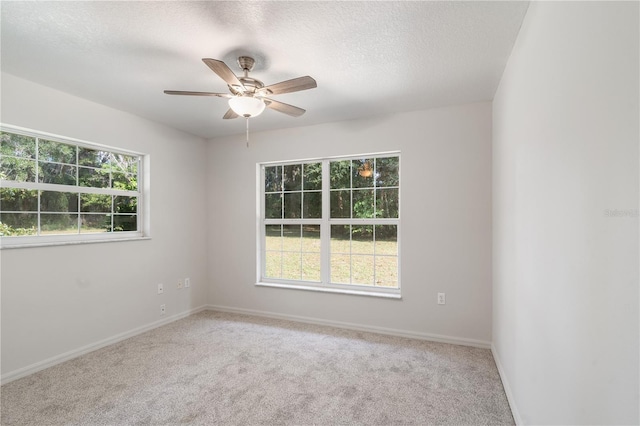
{"x": 325, "y": 222}
{"x": 142, "y": 192}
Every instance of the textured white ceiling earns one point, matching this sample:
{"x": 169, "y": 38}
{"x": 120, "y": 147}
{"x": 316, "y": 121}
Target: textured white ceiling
{"x": 369, "y": 58}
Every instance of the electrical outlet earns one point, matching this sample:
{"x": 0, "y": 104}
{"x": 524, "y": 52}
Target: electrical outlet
{"x": 187, "y": 282}
{"x": 441, "y": 299}
{"x": 162, "y": 309}
{"x": 179, "y": 284}
{"x": 160, "y": 289}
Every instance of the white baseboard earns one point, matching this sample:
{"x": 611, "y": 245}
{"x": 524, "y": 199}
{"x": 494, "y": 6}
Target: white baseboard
{"x": 358, "y": 327}
{"x": 50, "y": 362}
{"x": 507, "y": 387}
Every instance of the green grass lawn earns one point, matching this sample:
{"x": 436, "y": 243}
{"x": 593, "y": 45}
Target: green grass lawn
{"x": 352, "y": 262}
{"x": 83, "y": 230}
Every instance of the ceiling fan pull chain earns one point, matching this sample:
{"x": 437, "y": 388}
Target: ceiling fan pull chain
{"x": 247, "y": 119}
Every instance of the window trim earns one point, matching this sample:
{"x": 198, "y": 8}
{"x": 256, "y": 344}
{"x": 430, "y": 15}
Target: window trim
{"x": 143, "y": 225}
{"x": 325, "y": 223}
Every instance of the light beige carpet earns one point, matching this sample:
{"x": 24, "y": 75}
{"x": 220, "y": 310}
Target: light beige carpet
{"x": 219, "y": 368}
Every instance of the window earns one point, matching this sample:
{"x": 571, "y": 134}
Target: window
{"x": 331, "y": 224}
{"x": 57, "y": 190}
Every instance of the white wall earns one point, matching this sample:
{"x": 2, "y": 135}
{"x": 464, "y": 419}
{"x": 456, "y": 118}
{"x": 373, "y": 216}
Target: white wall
{"x": 59, "y": 299}
{"x": 565, "y": 150}
{"x": 446, "y": 220}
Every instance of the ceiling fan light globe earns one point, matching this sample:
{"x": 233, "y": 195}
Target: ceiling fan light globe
{"x": 246, "y": 106}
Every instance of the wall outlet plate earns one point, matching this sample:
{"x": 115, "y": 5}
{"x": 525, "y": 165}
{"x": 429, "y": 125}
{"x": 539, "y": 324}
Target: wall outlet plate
{"x": 179, "y": 285}
{"x": 160, "y": 289}
{"x": 441, "y": 299}
{"x": 163, "y": 309}
{"x": 187, "y": 282}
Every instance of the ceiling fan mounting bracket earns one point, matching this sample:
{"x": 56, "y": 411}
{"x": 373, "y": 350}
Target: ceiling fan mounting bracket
{"x": 246, "y": 63}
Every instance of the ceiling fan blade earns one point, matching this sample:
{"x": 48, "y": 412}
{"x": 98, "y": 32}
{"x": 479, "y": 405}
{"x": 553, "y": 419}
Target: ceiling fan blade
{"x": 224, "y": 72}
{"x": 181, "y": 92}
{"x": 294, "y": 85}
{"x": 230, "y": 114}
{"x": 291, "y": 110}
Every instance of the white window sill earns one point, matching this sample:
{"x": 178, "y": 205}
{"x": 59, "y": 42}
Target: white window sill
{"x": 68, "y": 243}
{"x": 332, "y": 290}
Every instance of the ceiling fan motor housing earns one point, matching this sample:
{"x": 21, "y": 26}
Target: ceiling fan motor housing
{"x": 251, "y": 86}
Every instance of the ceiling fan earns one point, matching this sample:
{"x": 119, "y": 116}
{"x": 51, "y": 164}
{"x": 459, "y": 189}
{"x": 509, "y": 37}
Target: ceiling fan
{"x": 249, "y": 96}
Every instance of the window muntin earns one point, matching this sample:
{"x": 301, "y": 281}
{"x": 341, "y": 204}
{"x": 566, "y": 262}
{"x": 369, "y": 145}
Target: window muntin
{"x": 60, "y": 190}
{"x": 292, "y": 195}
{"x": 332, "y": 223}
{"x": 365, "y": 255}
{"x": 365, "y": 188}
{"x": 293, "y": 191}
{"x": 292, "y": 252}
